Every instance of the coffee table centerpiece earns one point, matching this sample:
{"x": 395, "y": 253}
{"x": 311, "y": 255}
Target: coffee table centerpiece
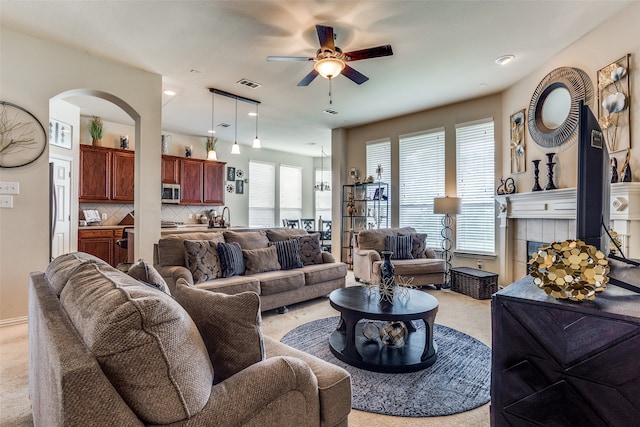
{"x": 354, "y": 343}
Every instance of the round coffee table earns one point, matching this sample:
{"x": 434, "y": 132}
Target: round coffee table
{"x": 349, "y": 344}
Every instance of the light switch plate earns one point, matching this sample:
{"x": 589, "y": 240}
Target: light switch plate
{"x": 9, "y": 187}
{"x": 6, "y": 201}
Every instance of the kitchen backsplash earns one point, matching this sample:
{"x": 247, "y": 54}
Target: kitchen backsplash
{"x": 116, "y": 212}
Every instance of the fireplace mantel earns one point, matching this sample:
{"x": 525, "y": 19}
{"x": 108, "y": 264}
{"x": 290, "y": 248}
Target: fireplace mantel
{"x": 544, "y": 207}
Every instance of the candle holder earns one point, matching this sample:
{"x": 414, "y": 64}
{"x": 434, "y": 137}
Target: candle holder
{"x": 550, "y": 185}
{"x": 536, "y": 175}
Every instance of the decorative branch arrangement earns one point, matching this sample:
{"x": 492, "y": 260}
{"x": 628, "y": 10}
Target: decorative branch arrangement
{"x": 15, "y": 135}
{"x": 517, "y": 142}
{"x": 613, "y": 104}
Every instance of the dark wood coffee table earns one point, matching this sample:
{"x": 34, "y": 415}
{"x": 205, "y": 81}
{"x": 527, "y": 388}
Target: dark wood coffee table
{"x": 349, "y": 344}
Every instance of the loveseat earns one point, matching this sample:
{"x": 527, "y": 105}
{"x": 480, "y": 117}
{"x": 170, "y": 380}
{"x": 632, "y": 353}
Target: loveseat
{"x": 268, "y": 267}
{"x": 106, "y": 349}
{"x": 418, "y": 262}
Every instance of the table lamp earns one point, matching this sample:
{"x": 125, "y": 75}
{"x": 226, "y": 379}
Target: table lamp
{"x": 447, "y": 206}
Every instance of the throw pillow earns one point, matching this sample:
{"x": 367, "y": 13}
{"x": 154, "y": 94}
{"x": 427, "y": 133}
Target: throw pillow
{"x": 401, "y": 246}
{"x": 419, "y": 245}
{"x": 310, "y": 252}
{"x": 231, "y": 259}
{"x": 229, "y": 325}
{"x": 247, "y": 239}
{"x": 144, "y": 272}
{"x": 260, "y": 260}
{"x": 288, "y": 253}
{"x": 279, "y": 234}
{"x": 202, "y": 259}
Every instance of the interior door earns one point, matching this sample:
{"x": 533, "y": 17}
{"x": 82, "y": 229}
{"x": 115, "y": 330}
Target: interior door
{"x": 61, "y": 236}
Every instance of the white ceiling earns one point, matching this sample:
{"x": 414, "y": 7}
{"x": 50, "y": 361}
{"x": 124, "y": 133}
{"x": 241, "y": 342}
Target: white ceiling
{"x": 444, "y": 52}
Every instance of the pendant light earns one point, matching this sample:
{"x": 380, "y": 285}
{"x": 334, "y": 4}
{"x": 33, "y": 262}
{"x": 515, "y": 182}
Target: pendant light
{"x": 211, "y": 140}
{"x": 235, "y": 149}
{"x": 322, "y": 185}
{"x": 256, "y": 141}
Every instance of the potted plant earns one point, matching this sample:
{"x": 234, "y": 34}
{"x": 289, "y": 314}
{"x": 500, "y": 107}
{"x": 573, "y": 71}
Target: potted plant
{"x": 210, "y": 146}
{"x": 96, "y": 130}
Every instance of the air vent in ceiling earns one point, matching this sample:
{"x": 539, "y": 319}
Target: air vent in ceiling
{"x": 330, "y": 111}
{"x": 249, "y": 83}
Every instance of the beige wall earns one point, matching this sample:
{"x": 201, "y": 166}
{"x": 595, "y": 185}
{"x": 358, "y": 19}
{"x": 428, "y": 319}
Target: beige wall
{"x": 33, "y": 71}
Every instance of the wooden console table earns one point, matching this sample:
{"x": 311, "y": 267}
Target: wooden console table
{"x": 560, "y": 363}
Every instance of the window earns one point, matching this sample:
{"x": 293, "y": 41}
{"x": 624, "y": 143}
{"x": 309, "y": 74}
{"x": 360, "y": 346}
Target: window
{"x": 378, "y": 153}
{"x": 475, "y": 226}
{"x": 422, "y": 179}
{"x": 262, "y": 189}
{"x": 290, "y": 192}
{"x": 323, "y": 198}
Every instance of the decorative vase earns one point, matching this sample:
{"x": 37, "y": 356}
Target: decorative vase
{"x": 96, "y": 142}
{"x": 165, "y": 144}
{"x": 536, "y": 175}
{"x": 614, "y": 170}
{"x": 626, "y": 174}
{"x": 550, "y": 185}
{"x": 387, "y": 276}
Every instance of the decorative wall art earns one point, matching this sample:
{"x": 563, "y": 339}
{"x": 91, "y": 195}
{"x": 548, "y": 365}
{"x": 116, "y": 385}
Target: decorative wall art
{"x": 60, "y": 134}
{"x": 231, "y": 173}
{"x": 516, "y": 124}
{"x": 239, "y": 186}
{"x": 614, "y": 114}
{"x": 22, "y": 136}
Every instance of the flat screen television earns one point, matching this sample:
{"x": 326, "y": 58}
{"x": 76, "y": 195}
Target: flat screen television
{"x": 594, "y": 198}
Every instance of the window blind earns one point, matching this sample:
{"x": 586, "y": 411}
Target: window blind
{"x": 475, "y": 226}
{"x": 290, "y": 192}
{"x": 323, "y": 198}
{"x": 422, "y": 174}
{"x": 378, "y": 153}
{"x": 262, "y": 188}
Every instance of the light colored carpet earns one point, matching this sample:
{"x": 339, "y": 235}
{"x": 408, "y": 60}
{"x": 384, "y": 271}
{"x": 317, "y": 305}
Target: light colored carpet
{"x": 457, "y": 311}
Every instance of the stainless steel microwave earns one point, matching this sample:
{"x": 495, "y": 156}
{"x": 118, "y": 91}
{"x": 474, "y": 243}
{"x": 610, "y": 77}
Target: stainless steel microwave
{"x": 171, "y": 193}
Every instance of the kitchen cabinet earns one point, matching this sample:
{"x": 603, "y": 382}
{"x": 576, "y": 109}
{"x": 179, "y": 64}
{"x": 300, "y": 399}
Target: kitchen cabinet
{"x": 213, "y": 183}
{"x": 170, "y": 169}
{"x": 102, "y": 243}
{"x": 191, "y": 176}
{"x": 106, "y": 175}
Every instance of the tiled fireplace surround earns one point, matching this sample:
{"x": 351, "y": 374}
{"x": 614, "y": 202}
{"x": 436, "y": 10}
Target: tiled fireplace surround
{"x": 548, "y": 216}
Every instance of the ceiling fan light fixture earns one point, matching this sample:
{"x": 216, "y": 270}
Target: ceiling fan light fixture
{"x": 329, "y": 67}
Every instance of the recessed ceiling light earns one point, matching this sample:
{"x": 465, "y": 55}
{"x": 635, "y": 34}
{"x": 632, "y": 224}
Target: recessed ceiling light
{"x": 252, "y": 114}
{"x": 170, "y": 93}
{"x": 483, "y": 85}
{"x": 505, "y": 59}
{"x": 212, "y": 131}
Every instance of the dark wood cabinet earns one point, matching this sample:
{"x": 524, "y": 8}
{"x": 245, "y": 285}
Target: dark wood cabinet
{"x": 106, "y": 175}
{"x": 102, "y": 243}
{"x": 191, "y": 175}
{"x": 95, "y": 174}
{"x": 561, "y": 363}
{"x": 170, "y": 169}
{"x": 213, "y": 183}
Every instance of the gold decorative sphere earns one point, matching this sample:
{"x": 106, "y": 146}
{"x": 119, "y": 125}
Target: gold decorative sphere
{"x": 393, "y": 334}
{"x": 570, "y": 270}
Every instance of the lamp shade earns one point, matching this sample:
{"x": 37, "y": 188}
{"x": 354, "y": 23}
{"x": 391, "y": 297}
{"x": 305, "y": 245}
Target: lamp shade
{"x": 329, "y": 67}
{"x": 446, "y": 205}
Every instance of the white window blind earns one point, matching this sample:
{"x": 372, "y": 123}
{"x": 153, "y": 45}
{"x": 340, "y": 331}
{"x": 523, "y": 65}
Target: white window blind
{"x": 290, "y": 192}
{"x": 475, "y": 226}
{"x": 422, "y": 179}
{"x": 262, "y": 194}
{"x": 379, "y": 153}
{"x": 323, "y": 198}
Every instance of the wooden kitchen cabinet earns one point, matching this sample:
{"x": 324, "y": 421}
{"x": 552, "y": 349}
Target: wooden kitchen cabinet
{"x": 123, "y": 167}
{"x": 213, "y": 184}
{"x": 106, "y": 175}
{"x": 170, "y": 169}
{"x": 102, "y": 243}
{"x": 191, "y": 175}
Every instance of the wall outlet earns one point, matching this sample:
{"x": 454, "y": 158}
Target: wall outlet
{"x": 9, "y": 187}
{"x": 480, "y": 264}
{"x": 104, "y": 216}
{"x": 6, "y": 202}
{"x": 190, "y": 217}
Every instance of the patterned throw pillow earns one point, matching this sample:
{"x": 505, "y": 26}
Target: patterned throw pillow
{"x": 229, "y": 325}
{"x": 288, "y": 253}
{"x": 202, "y": 259}
{"x": 260, "y": 260}
{"x": 231, "y": 259}
{"x": 401, "y": 246}
{"x": 144, "y": 272}
{"x": 419, "y": 245}
{"x": 310, "y": 252}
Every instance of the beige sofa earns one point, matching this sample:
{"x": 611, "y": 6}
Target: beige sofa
{"x": 424, "y": 268}
{"x": 277, "y": 288}
{"x": 108, "y": 350}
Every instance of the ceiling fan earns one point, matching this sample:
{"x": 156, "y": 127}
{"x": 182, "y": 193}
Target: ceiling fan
{"x": 330, "y": 61}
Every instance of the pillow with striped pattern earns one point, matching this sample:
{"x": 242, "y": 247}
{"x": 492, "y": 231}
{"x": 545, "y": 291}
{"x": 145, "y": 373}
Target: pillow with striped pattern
{"x": 401, "y": 246}
{"x": 231, "y": 259}
{"x": 288, "y": 253}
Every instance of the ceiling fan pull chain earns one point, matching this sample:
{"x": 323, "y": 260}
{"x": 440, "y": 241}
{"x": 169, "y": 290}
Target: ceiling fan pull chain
{"x": 330, "y": 100}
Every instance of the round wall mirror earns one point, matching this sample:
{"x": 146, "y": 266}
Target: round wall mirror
{"x": 553, "y": 111}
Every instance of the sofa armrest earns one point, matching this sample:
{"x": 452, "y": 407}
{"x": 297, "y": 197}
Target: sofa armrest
{"x": 327, "y": 257}
{"x": 275, "y": 391}
{"x": 363, "y": 260}
{"x": 172, "y": 273}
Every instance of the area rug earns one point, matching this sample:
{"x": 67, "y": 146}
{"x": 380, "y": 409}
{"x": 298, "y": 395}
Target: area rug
{"x": 457, "y": 382}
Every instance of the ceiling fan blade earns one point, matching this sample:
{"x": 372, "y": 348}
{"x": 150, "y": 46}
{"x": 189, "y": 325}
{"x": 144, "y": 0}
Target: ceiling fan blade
{"x": 325, "y": 35}
{"x": 355, "y": 76}
{"x": 288, "y": 58}
{"x": 373, "y": 52}
{"x": 308, "y": 78}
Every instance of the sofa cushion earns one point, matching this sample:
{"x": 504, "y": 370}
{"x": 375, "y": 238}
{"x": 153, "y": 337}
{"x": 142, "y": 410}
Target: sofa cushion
{"x": 273, "y": 282}
{"x": 144, "y": 341}
{"x": 231, "y": 285}
{"x": 229, "y": 325}
{"x": 62, "y": 268}
{"x": 319, "y": 273}
{"x": 414, "y": 267}
{"x": 374, "y": 239}
{"x": 247, "y": 239}
{"x": 231, "y": 259}
{"x": 145, "y": 272}
{"x": 260, "y": 260}
{"x": 400, "y": 246}
{"x": 288, "y": 253}
{"x": 310, "y": 252}
{"x": 202, "y": 259}
{"x": 280, "y": 234}
{"x": 171, "y": 247}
